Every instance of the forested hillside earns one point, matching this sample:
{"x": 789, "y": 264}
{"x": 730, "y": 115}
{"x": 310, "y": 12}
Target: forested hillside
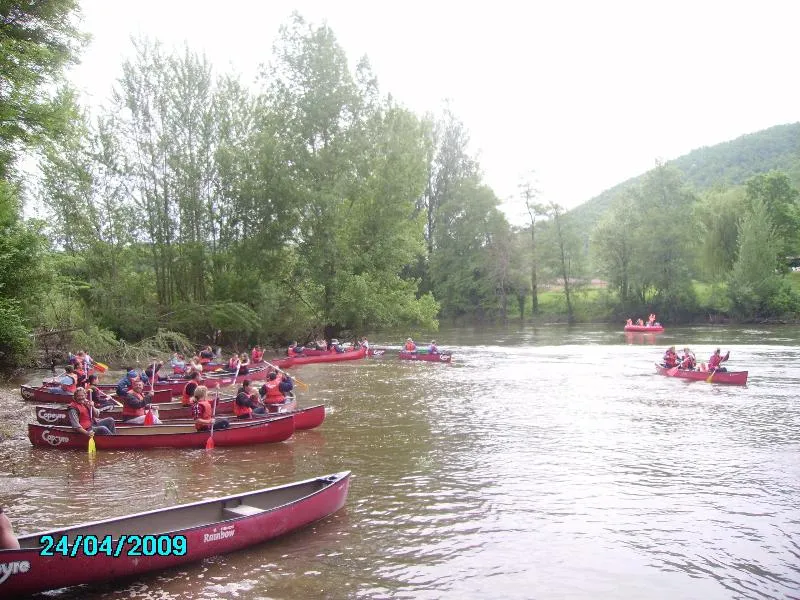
{"x": 723, "y": 165}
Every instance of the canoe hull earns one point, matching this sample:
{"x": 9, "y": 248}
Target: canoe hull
{"x": 209, "y": 527}
{"x": 445, "y": 358}
{"x": 729, "y": 377}
{"x": 135, "y": 437}
{"x": 304, "y": 418}
{"x": 45, "y": 394}
{"x": 645, "y": 328}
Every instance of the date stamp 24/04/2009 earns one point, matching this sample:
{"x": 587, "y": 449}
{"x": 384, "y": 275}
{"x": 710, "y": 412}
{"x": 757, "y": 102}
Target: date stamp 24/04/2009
{"x": 124, "y": 545}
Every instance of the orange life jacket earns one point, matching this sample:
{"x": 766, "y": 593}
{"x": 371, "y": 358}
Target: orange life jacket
{"x": 410, "y": 346}
{"x": 240, "y": 411}
{"x": 204, "y": 411}
{"x": 274, "y": 394}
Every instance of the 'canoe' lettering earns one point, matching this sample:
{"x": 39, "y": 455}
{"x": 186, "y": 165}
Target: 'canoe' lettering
{"x": 48, "y": 417}
{"x": 54, "y": 440}
{"x": 12, "y": 568}
{"x": 225, "y": 532}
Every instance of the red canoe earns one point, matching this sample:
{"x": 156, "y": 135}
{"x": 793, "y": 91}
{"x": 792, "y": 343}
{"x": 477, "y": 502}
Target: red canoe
{"x": 404, "y": 355}
{"x": 645, "y": 328}
{"x": 136, "y": 437}
{"x": 304, "y": 418}
{"x": 730, "y": 377}
{"x": 57, "y": 414}
{"x": 324, "y": 357}
{"x": 159, "y": 539}
{"x": 45, "y": 393}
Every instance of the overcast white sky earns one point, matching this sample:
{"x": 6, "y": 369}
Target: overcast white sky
{"x": 585, "y": 94}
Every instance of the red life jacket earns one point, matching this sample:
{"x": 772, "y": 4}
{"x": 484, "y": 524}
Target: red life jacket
{"x": 410, "y": 346}
{"x": 256, "y": 355}
{"x": 129, "y": 411}
{"x": 72, "y": 386}
{"x": 234, "y": 363}
{"x": 714, "y": 362}
{"x": 274, "y": 394}
{"x": 84, "y": 417}
{"x": 670, "y": 359}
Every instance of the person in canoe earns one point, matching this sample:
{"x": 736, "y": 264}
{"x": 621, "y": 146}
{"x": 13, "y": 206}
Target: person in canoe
{"x": 67, "y": 382}
{"x": 194, "y": 366}
{"x": 206, "y": 354}
{"x": 688, "y": 360}
{"x": 151, "y": 372}
{"x": 135, "y": 405}
{"x": 178, "y": 363}
{"x": 433, "y": 348}
{"x": 96, "y": 395}
{"x": 716, "y": 360}
{"x": 275, "y": 389}
{"x": 256, "y": 354}
{"x": 629, "y": 322}
{"x": 127, "y": 381}
{"x": 336, "y": 346}
{"x": 8, "y": 541}
{"x": 83, "y": 416}
{"x": 670, "y": 358}
{"x": 639, "y": 322}
{"x": 410, "y": 346}
{"x": 247, "y": 402}
{"x": 651, "y": 320}
{"x": 189, "y": 388}
{"x": 204, "y": 411}
{"x": 295, "y": 350}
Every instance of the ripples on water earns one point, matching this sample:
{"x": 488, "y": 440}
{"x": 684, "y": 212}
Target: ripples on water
{"x": 541, "y": 464}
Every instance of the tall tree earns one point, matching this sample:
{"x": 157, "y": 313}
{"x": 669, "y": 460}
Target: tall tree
{"x": 535, "y": 210}
{"x": 782, "y": 202}
{"x": 755, "y": 285}
{"x": 564, "y": 253}
{"x": 614, "y": 245}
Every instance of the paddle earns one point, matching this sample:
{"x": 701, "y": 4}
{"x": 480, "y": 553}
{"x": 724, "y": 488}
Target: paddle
{"x": 210, "y": 440}
{"x": 671, "y": 372}
{"x": 148, "y": 418}
{"x": 92, "y": 448}
{"x": 303, "y": 385}
{"x": 708, "y": 379}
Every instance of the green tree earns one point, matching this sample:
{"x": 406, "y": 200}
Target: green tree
{"x": 718, "y": 215}
{"x": 756, "y": 289}
{"x": 562, "y": 249}
{"x": 781, "y": 199}
{"x": 614, "y": 245}
{"x": 535, "y": 210}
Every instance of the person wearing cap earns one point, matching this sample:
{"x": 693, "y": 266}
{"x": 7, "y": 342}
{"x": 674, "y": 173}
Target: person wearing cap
{"x": 410, "y": 345}
{"x": 152, "y": 373}
{"x": 136, "y": 403}
{"x": 335, "y": 346}
{"x": 126, "y": 383}
{"x": 433, "y": 349}
{"x": 716, "y": 360}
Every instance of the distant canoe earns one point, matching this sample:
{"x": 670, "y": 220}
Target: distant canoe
{"x": 167, "y": 537}
{"x": 645, "y": 328}
{"x": 445, "y": 358}
{"x": 46, "y": 393}
{"x": 729, "y": 377}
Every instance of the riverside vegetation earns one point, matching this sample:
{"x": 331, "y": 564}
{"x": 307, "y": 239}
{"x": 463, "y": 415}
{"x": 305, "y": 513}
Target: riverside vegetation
{"x": 309, "y": 202}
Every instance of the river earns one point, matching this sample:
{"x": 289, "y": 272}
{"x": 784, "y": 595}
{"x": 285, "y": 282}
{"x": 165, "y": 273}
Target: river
{"x": 545, "y": 463}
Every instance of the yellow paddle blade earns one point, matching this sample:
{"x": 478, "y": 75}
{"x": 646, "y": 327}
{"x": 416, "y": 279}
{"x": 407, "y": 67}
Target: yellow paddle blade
{"x": 92, "y": 447}
{"x": 708, "y": 379}
{"x": 301, "y": 384}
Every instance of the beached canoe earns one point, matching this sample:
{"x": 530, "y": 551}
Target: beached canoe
{"x": 645, "y": 328}
{"x": 404, "y": 355}
{"x": 729, "y": 377}
{"x": 304, "y": 418}
{"x": 138, "y": 437}
{"x": 46, "y": 393}
{"x": 167, "y": 537}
